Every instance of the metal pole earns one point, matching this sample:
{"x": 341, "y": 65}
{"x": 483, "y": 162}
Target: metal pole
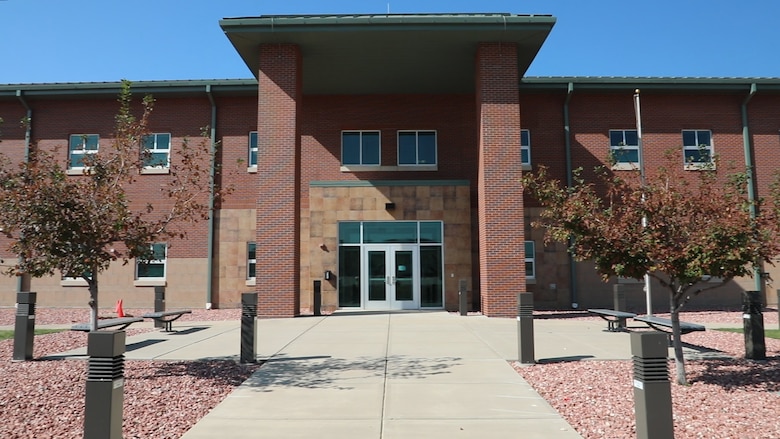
{"x": 638, "y": 114}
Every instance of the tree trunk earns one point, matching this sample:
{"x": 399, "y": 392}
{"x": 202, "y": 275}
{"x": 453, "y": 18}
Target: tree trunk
{"x": 679, "y": 360}
{"x": 93, "y": 303}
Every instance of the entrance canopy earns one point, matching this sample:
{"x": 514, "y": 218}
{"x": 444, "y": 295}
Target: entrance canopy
{"x": 388, "y": 53}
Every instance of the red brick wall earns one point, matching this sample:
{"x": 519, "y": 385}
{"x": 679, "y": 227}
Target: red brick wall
{"x": 501, "y": 223}
{"x": 278, "y": 238}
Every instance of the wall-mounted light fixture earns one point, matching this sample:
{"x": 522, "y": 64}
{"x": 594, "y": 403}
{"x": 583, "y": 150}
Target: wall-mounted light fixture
{"x": 389, "y": 206}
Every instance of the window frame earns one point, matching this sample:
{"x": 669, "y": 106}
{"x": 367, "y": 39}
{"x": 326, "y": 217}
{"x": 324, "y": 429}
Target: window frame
{"x": 689, "y": 165}
{"x": 139, "y": 279}
{"x": 530, "y": 259}
{"x": 251, "y": 263}
{"x": 624, "y": 146}
{"x": 525, "y": 147}
{"x": 150, "y": 169}
{"x": 417, "y": 148}
{"x": 252, "y": 164}
{"x": 82, "y": 152}
{"x": 360, "y": 148}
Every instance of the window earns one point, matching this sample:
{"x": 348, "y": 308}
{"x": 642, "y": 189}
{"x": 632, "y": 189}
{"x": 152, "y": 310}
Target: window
{"x": 525, "y": 147}
{"x": 157, "y": 148}
{"x": 360, "y": 148}
{"x": 251, "y": 260}
{"x": 697, "y": 147}
{"x": 530, "y": 260}
{"x": 154, "y": 267}
{"x": 252, "y": 149}
{"x": 80, "y": 146}
{"x": 624, "y": 147}
{"x": 417, "y": 148}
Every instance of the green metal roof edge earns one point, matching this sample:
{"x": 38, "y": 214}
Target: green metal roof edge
{"x": 284, "y": 23}
{"x": 374, "y": 183}
{"x": 97, "y": 88}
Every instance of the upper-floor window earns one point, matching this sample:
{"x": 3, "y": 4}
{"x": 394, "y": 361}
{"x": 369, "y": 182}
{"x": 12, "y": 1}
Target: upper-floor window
{"x": 252, "y": 149}
{"x": 154, "y": 266}
{"x": 525, "y": 147}
{"x": 157, "y": 150}
{"x": 251, "y": 260}
{"x": 530, "y": 260}
{"x": 697, "y": 147}
{"x": 416, "y": 147}
{"x": 79, "y": 147}
{"x": 624, "y": 147}
{"x": 360, "y": 148}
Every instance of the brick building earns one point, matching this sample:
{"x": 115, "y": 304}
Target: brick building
{"x": 380, "y": 161}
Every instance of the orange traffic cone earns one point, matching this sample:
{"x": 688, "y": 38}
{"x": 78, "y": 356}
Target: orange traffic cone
{"x": 119, "y": 311}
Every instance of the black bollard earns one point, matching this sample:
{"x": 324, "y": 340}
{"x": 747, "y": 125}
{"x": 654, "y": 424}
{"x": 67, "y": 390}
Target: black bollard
{"x": 105, "y": 385}
{"x": 248, "y": 324}
{"x": 463, "y": 297}
{"x": 159, "y": 304}
{"x": 652, "y": 391}
{"x": 525, "y": 328}
{"x": 317, "y": 303}
{"x": 24, "y": 328}
{"x": 753, "y": 325}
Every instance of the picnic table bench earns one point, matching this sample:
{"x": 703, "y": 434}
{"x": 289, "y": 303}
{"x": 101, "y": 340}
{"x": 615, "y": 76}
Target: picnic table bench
{"x": 665, "y": 325}
{"x": 616, "y": 320}
{"x": 167, "y": 317}
{"x": 121, "y": 322}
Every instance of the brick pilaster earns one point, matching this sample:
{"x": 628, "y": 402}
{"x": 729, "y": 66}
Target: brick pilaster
{"x": 500, "y": 202}
{"x": 278, "y": 159}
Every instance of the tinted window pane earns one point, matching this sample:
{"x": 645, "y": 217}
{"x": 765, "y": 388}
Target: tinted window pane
{"x": 253, "y": 158}
{"x": 703, "y": 138}
{"x": 349, "y": 233}
{"x": 529, "y": 269}
{"x": 148, "y": 142}
{"x": 696, "y": 156}
{"x": 689, "y": 138}
{"x": 525, "y": 138}
{"x": 349, "y": 276}
{"x": 253, "y": 139}
{"x": 525, "y": 156}
{"x": 529, "y": 249}
{"x": 426, "y": 145}
{"x": 626, "y": 155}
{"x": 615, "y": 138}
{"x": 157, "y": 159}
{"x": 151, "y": 270}
{"x": 430, "y": 232}
{"x": 632, "y": 139}
{"x": 350, "y": 148}
{"x": 407, "y": 148}
{"x": 163, "y": 141}
{"x": 430, "y": 276}
{"x": 388, "y": 232}
{"x": 75, "y": 143}
{"x": 251, "y": 251}
{"x": 92, "y": 142}
{"x": 370, "y": 149}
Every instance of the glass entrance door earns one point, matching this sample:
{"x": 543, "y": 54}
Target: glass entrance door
{"x": 391, "y": 276}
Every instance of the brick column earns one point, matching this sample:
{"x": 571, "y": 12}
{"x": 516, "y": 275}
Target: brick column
{"x": 501, "y": 222}
{"x": 278, "y": 160}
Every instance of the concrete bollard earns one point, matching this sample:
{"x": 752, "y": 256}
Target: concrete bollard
{"x": 248, "y": 327}
{"x": 525, "y": 328}
{"x": 652, "y": 390}
{"x": 105, "y": 385}
{"x": 753, "y": 325}
{"x": 24, "y": 326}
{"x": 159, "y": 304}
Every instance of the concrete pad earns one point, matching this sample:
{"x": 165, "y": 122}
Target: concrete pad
{"x": 543, "y": 428}
{"x": 450, "y": 370}
{"x": 286, "y": 429}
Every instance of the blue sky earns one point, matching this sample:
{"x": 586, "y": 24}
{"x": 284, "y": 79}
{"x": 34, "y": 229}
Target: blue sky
{"x": 108, "y": 40}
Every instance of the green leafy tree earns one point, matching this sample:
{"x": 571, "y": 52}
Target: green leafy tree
{"x": 679, "y": 228}
{"x": 79, "y": 225}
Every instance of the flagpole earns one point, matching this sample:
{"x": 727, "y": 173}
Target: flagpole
{"x": 638, "y": 114}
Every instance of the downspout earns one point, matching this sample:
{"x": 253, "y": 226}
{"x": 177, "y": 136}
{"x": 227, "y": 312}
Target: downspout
{"x": 751, "y": 189}
{"x": 569, "y": 183}
{"x": 23, "y": 282}
{"x": 212, "y": 176}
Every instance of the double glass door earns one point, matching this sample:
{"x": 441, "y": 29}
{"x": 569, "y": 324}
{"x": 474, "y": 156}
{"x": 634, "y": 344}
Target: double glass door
{"x": 391, "y": 277}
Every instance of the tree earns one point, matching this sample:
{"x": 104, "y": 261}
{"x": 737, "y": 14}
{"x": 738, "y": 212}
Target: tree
{"x": 79, "y": 225}
{"x": 679, "y": 227}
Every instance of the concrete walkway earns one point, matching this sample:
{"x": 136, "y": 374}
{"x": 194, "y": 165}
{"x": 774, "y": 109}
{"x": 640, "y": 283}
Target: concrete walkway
{"x": 383, "y": 375}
